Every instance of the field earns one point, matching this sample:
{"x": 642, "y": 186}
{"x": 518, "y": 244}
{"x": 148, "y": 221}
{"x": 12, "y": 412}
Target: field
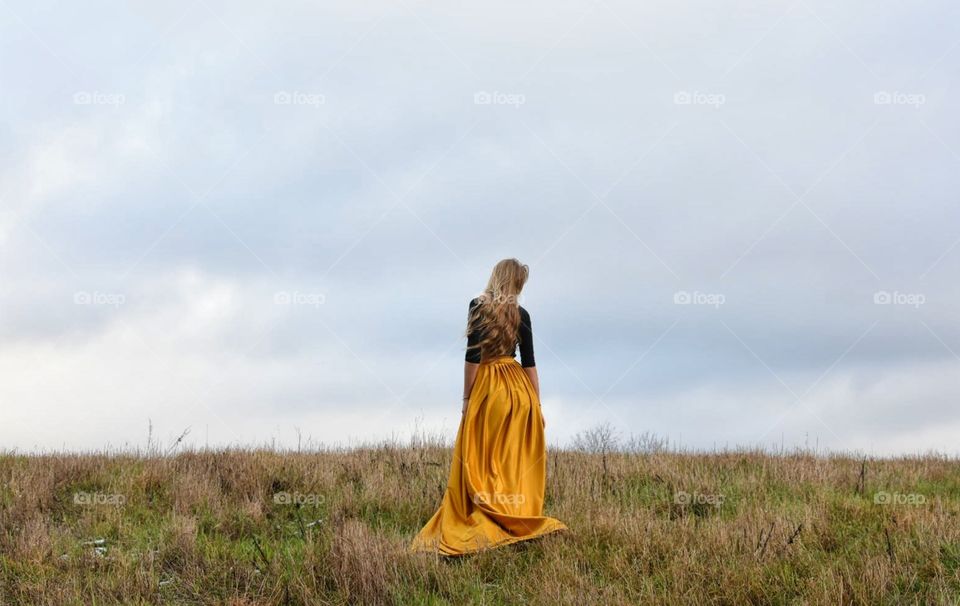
{"x": 647, "y": 526}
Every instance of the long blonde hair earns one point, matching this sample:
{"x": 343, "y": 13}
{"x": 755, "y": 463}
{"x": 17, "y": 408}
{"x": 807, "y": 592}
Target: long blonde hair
{"x": 497, "y": 313}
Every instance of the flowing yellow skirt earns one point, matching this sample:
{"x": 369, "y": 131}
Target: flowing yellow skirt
{"x": 495, "y": 492}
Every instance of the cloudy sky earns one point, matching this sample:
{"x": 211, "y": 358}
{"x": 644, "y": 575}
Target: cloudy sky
{"x": 256, "y": 219}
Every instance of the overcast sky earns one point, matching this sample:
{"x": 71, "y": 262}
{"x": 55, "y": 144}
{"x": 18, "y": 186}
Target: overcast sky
{"x": 249, "y": 219}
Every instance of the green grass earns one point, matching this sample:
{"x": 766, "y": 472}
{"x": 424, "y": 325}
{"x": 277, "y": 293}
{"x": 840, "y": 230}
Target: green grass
{"x": 205, "y": 528}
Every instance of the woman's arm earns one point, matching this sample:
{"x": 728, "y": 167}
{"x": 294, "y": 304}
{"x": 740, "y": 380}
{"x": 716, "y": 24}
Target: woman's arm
{"x": 469, "y": 376}
{"x": 526, "y": 353}
{"x": 471, "y": 361}
{"x": 534, "y": 378}
{"x": 535, "y": 381}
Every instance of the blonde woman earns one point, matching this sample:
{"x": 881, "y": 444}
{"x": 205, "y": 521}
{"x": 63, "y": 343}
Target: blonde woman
{"x": 495, "y": 492}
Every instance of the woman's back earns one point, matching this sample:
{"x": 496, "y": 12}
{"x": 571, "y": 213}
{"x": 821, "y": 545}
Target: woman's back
{"x": 476, "y": 335}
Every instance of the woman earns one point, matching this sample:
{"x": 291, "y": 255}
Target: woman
{"x": 495, "y": 492}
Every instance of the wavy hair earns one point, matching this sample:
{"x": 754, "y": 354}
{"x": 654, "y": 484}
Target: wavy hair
{"x": 497, "y": 313}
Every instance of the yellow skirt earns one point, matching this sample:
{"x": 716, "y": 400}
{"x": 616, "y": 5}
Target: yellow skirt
{"x": 495, "y": 492}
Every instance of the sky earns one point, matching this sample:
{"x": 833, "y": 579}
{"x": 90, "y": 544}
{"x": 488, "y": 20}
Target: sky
{"x": 261, "y": 223}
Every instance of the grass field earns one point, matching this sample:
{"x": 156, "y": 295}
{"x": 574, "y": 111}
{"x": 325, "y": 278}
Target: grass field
{"x": 332, "y": 526}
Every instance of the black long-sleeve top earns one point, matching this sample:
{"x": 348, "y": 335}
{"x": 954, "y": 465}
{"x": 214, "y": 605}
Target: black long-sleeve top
{"x": 524, "y": 340}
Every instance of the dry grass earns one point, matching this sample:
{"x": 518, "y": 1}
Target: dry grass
{"x": 204, "y": 528}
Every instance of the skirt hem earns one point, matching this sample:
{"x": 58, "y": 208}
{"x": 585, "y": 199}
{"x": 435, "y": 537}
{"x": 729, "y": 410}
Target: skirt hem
{"x": 561, "y": 527}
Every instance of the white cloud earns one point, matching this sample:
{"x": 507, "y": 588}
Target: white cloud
{"x": 702, "y": 203}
